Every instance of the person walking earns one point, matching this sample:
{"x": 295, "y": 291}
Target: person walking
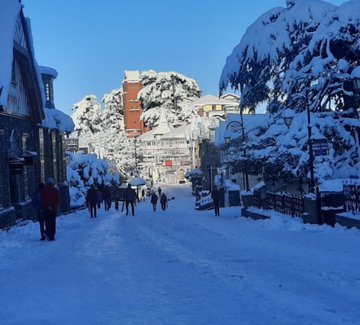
{"x": 99, "y": 198}
{"x": 163, "y": 201}
{"x": 130, "y": 197}
{"x": 107, "y": 198}
{"x": 36, "y": 203}
{"x": 143, "y": 194}
{"x": 154, "y": 199}
{"x": 49, "y": 202}
{"x": 92, "y": 200}
{"x": 159, "y": 191}
{"x": 215, "y": 195}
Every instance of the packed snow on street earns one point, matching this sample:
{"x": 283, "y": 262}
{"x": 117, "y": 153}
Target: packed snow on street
{"x": 179, "y": 266}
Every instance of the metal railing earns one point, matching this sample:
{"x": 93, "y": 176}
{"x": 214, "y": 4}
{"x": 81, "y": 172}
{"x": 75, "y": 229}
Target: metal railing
{"x": 290, "y": 204}
{"x": 352, "y": 198}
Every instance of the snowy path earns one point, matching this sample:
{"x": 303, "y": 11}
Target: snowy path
{"x": 180, "y": 267}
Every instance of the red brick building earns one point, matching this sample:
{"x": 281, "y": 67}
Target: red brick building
{"x": 132, "y": 106}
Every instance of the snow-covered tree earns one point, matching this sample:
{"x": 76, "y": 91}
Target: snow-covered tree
{"x": 84, "y": 170}
{"x": 113, "y": 115}
{"x": 104, "y": 129}
{"x": 310, "y": 46}
{"x": 87, "y": 115}
{"x": 298, "y": 57}
{"x": 169, "y": 90}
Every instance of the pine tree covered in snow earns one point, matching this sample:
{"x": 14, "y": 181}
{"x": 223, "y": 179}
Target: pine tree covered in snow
{"x": 87, "y": 115}
{"x": 119, "y": 148}
{"x": 170, "y": 90}
{"x": 309, "y": 46}
{"x": 304, "y": 55}
{"x": 104, "y": 129}
{"x": 113, "y": 115}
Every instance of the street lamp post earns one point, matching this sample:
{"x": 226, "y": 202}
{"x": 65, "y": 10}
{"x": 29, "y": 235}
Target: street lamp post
{"x": 236, "y": 127}
{"x": 311, "y": 153}
{"x": 288, "y": 116}
{"x": 243, "y": 141}
{"x": 135, "y": 155}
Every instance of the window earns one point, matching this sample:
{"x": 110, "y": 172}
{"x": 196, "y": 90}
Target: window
{"x": 26, "y": 168}
{"x": 47, "y": 92}
{"x": 42, "y": 155}
{"x": 13, "y": 73}
{"x": 54, "y": 155}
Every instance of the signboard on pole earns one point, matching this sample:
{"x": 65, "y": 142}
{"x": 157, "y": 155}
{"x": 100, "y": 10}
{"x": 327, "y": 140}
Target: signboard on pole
{"x": 320, "y": 147}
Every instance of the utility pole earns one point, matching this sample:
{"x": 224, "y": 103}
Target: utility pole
{"x": 245, "y": 174}
{"x": 173, "y": 92}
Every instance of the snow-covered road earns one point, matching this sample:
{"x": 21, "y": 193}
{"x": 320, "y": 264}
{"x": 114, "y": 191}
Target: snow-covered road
{"x": 180, "y": 266}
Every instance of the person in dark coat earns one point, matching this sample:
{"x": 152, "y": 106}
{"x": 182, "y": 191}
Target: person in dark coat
{"x": 92, "y": 200}
{"x": 99, "y": 198}
{"x": 143, "y": 194}
{"x": 36, "y": 203}
{"x": 163, "y": 201}
{"x": 153, "y": 200}
{"x": 107, "y": 198}
{"x": 50, "y": 202}
{"x": 130, "y": 197}
{"x": 215, "y": 195}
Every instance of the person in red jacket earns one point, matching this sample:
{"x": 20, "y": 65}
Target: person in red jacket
{"x": 50, "y": 203}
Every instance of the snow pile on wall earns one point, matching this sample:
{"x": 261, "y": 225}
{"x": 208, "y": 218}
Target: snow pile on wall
{"x": 55, "y": 119}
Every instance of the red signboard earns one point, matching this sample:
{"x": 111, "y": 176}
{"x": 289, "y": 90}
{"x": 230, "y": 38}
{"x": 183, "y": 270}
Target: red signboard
{"x": 168, "y": 163}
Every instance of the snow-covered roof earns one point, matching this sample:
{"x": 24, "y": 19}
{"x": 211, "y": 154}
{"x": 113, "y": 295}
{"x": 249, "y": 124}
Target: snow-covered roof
{"x": 213, "y": 100}
{"x": 132, "y": 75}
{"x": 231, "y": 186}
{"x": 48, "y": 71}
{"x": 251, "y": 121}
{"x": 9, "y": 13}
{"x": 229, "y": 95}
{"x": 163, "y": 126}
{"x": 137, "y": 181}
{"x": 180, "y": 132}
{"x": 55, "y": 119}
{"x": 194, "y": 173}
{"x": 147, "y": 136}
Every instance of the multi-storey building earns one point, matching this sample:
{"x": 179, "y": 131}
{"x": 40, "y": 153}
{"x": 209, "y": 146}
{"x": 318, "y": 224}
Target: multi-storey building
{"x": 166, "y": 152}
{"x": 212, "y": 106}
{"x": 132, "y": 106}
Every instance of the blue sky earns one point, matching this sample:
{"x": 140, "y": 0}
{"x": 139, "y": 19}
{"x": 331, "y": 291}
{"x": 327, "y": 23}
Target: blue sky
{"x": 91, "y": 42}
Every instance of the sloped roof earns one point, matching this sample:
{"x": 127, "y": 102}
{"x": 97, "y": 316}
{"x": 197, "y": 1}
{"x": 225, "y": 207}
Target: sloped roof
{"x": 229, "y": 95}
{"x": 55, "y": 119}
{"x": 48, "y": 71}
{"x": 9, "y": 13}
{"x": 213, "y": 100}
{"x": 251, "y": 122}
{"x": 181, "y": 132}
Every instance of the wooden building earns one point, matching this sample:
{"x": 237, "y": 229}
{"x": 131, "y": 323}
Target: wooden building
{"x": 30, "y": 132}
